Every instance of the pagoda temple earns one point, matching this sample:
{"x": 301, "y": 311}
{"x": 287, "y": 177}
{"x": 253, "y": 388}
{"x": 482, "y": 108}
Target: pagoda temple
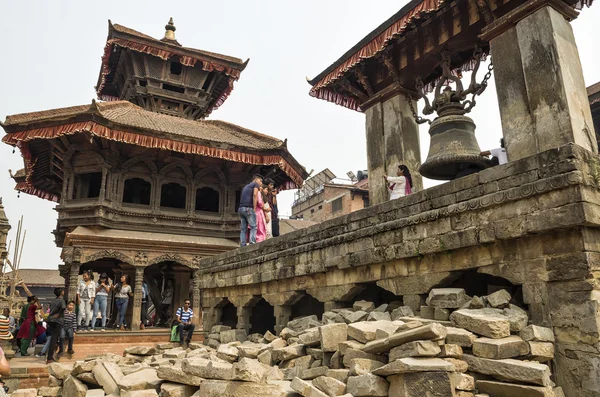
{"x": 144, "y": 185}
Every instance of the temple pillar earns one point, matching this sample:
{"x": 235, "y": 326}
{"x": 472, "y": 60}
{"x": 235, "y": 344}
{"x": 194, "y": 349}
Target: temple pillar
{"x": 196, "y": 305}
{"x": 73, "y": 278}
{"x": 137, "y": 299}
{"x": 392, "y": 139}
{"x": 539, "y": 80}
{"x": 243, "y": 315}
{"x": 282, "y": 317}
{"x": 282, "y": 306}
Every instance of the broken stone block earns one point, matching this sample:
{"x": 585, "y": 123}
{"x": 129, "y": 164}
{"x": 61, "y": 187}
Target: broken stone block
{"x": 249, "y": 350}
{"x": 499, "y": 299}
{"x": 379, "y": 316}
{"x": 216, "y": 329}
{"x": 213, "y": 343}
{"x": 316, "y": 363}
{"x": 317, "y": 354}
{"x": 361, "y": 366}
{"x": 306, "y": 389}
{"x": 420, "y": 384}
{"x": 351, "y": 354}
{"x": 451, "y": 351}
{"x": 558, "y": 392}
{"x": 301, "y": 324}
{"x": 228, "y": 353}
{"x": 517, "y": 317}
{"x": 176, "y": 390}
{"x": 441, "y": 314}
{"x": 332, "y": 335}
{"x": 511, "y": 346}
{"x": 426, "y": 332}
{"x": 174, "y": 374}
{"x": 141, "y": 350}
{"x": 365, "y": 306}
{"x": 175, "y": 353}
{"x": 332, "y": 318}
{"x": 73, "y": 387}
{"x": 88, "y": 378}
{"x": 463, "y": 381}
{"x": 501, "y": 389}
{"x": 207, "y": 369}
{"x": 25, "y": 393}
{"x": 460, "y": 393}
{"x": 459, "y": 365}
{"x": 311, "y": 337}
{"x": 216, "y": 388}
{"x": 140, "y": 380}
{"x": 367, "y": 385}
{"x": 46, "y": 391}
{"x": 534, "y": 333}
{"x": 269, "y": 337}
{"x": 541, "y": 351}
{"x": 402, "y": 311}
{"x": 350, "y": 344}
{"x": 107, "y": 375}
{"x": 265, "y": 358}
{"x": 460, "y": 337}
{"x": 313, "y": 373}
{"x": 287, "y": 333}
{"x": 484, "y": 322}
{"x": 288, "y": 353}
{"x": 476, "y": 303}
{"x": 427, "y": 312}
{"x": 330, "y": 386}
{"x": 233, "y": 335}
{"x": 365, "y": 331}
{"x": 354, "y": 317}
{"x": 60, "y": 371}
{"x": 335, "y": 361}
{"x": 414, "y": 302}
{"x": 411, "y": 364}
{"x": 418, "y": 348}
{"x": 511, "y": 370}
{"x": 249, "y": 370}
{"x": 339, "y": 374}
{"x": 381, "y": 308}
{"x": 447, "y": 298}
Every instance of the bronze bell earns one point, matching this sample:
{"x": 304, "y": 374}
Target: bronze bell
{"x": 453, "y": 150}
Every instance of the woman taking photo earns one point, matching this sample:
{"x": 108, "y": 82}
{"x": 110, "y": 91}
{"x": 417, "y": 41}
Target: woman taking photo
{"x": 102, "y": 291}
{"x": 29, "y": 329}
{"x": 401, "y": 184}
{"x": 122, "y": 293}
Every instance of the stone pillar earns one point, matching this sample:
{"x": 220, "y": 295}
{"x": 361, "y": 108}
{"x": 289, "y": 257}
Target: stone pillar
{"x": 243, "y": 315}
{"x": 334, "y": 296}
{"x": 539, "y": 81}
{"x": 392, "y": 139}
{"x": 196, "y": 305}
{"x": 211, "y": 316}
{"x": 73, "y": 278}
{"x": 282, "y": 306}
{"x": 137, "y": 299}
{"x": 282, "y": 316}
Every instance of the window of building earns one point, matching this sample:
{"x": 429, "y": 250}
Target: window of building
{"x": 137, "y": 191}
{"x": 172, "y": 195}
{"x": 312, "y": 210}
{"x": 208, "y": 80}
{"x": 207, "y": 199}
{"x": 176, "y": 68}
{"x": 336, "y": 205}
{"x": 87, "y": 185}
{"x": 320, "y": 207}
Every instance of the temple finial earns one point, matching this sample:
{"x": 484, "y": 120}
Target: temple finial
{"x": 170, "y": 30}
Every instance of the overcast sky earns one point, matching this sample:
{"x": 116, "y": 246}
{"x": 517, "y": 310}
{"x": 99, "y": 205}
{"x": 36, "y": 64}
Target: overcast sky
{"x": 51, "y": 58}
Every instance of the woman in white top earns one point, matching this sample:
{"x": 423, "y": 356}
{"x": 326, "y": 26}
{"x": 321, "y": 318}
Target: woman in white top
{"x": 400, "y": 185}
{"x": 122, "y": 293}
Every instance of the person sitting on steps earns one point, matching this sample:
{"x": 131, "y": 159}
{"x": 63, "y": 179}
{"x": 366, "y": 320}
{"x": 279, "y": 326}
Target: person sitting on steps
{"x": 184, "y": 316}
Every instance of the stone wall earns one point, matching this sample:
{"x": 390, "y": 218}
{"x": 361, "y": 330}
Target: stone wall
{"x": 532, "y": 222}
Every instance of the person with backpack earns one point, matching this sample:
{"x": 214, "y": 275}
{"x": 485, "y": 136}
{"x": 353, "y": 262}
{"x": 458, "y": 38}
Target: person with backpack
{"x": 184, "y": 316}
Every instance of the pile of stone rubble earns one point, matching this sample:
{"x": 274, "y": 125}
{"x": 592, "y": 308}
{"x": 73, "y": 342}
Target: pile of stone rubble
{"x": 460, "y": 346}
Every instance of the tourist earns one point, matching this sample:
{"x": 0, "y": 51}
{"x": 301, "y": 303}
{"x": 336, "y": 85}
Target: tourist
{"x": 122, "y": 293}
{"x": 69, "y": 329}
{"x": 184, "y": 317}
{"x": 86, "y": 292}
{"x": 499, "y": 156}
{"x": 247, "y": 210}
{"x": 100, "y": 302}
{"x": 4, "y": 335}
{"x": 12, "y": 325}
{"x": 29, "y": 329}
{"x": 401, "y": 184}
{"x": 55, "y": 322}
{"x": 274, "y": 209}
{"x": 145, "y": 296}
{"x": 267, "y": 212}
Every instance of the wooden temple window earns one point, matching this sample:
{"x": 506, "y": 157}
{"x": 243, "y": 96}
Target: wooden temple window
{"x": 87, "y": 185}
{"x": 207, "y": 199}
{"x": 208, "y": 80}
{"x": 173, "y": 195}
{"x": 143, "y": 83}
{"x": 137, "y": 191}
{"x": 176, "y": 68}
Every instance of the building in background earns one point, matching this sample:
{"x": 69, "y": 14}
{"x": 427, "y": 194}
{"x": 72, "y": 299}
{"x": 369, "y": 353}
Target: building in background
{"x": 41, "y": 282}
{"x": 323, "y": 198}
{"x": 594, "y": 97}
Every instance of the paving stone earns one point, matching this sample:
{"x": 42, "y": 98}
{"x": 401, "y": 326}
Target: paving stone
{"x": 411, "y": 364}
{"x": 330, "y": 386}
{"x": 534, "y": 333}
{"x": 418, "y": 348}
{"x": 228, "y": 353}
{"x": 367, "y": 385}
{"x": 140, "y": 380}
{"x": 216, "y": 388}
{"x": 365, "y": 331}
{"x": 425, "y": 332}
{"x": 499, "y": 299}
{"x": 541, "y": 351}
{"x": 73, "y": 387}
{"x": 463, "y": 381}
{"x": 402, "y": 311}
{"x": 364, "y": 306}
{"x": 501, "y": 389}
{"x": 332, "y": 335}
{"x": 451, "y": 350}
{"x": 177, "y": 390}
{"x": 249, "y": 370}
{"x": 174, "y": 374}
{"x": 511, "y": 346}
{"x": 362, "y": 366}
{"x": 306, "y": 389}
{"x": 460, "y": 337}
{"x": 486, "y": 322}
{"x": 511, "y": 370}
{"x": 420, "y": 384}
{"x": 447, "y": 298}
{"x": 288, "y": 353}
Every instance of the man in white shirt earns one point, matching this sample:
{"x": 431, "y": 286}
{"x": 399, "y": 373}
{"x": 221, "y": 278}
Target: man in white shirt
{"x": 499, "y": 153}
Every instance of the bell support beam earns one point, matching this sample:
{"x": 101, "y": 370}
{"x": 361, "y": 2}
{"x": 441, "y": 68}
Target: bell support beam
{"x": 539, "y": 80}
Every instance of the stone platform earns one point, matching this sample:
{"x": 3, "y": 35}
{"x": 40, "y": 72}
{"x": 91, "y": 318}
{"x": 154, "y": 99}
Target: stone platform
{"x": 531, "y": 224}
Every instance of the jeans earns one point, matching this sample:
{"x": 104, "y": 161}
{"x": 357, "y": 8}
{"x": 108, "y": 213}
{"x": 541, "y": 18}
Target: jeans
{"x": 85, "y": 313}
{"x": 99, "y": 306}
{"x": 186, "y": 327}
{"x": 55, "y": 330}
{"x": 121, "y": 304}
{"x": 68, "y": 335}
{"x": 46, "y": 347}
{"x": 248, "y": 218}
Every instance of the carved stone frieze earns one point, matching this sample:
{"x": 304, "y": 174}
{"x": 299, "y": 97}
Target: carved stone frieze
{"x": 108, "y": 253}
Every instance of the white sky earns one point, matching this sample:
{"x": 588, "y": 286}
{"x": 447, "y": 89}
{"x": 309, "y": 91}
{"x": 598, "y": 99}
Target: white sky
{"x": 51, "y": 58}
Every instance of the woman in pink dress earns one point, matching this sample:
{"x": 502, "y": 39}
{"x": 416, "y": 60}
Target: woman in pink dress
{"x": 261, "y": 222}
